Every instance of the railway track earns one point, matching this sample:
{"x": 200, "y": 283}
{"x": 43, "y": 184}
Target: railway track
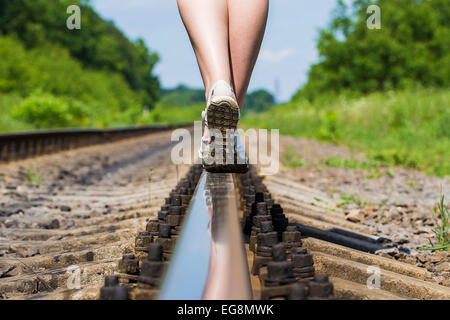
{"x": 17, "y": 146}
{"x": 117, "y": 232}
{"x": 206, "y": 256}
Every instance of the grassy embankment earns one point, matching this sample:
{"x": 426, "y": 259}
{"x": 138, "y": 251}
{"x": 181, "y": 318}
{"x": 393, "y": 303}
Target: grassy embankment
{"x": 402, "y": 128}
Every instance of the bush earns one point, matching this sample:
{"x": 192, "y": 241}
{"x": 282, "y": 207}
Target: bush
{"x": 258, "y": 101}
{"x": 45, "y": 111}
{"x": 50, "y": 78}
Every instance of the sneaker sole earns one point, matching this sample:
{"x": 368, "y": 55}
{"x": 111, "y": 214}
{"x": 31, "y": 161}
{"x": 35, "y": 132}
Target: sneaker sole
{"x": 223, "y": 116}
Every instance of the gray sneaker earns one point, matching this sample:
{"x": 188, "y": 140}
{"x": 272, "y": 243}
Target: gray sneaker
{"x": 222, "y": 152}
{"x": 222, "y": 110}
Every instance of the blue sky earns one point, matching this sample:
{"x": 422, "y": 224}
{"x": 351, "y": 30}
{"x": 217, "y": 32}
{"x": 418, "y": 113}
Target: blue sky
{"x": 288, "y": 49}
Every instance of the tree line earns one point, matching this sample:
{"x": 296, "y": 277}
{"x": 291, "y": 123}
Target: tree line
{"x": 411, "y": 48}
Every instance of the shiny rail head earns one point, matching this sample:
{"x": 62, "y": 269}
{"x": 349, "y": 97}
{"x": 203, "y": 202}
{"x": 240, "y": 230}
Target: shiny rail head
{"x": 210, "y": 261}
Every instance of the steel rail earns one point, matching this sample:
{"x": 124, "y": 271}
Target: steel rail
{"x": 209, "y": 261}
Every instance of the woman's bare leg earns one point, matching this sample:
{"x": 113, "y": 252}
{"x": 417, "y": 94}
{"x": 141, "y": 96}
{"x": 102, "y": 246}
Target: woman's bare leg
{"x": 247, "y": 23}
{"x": 226, "y": 36}
{"x": 206, "y": 22}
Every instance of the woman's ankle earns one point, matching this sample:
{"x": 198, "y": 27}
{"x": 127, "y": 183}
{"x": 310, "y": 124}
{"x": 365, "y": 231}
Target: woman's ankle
{"x": 224, "y": 85}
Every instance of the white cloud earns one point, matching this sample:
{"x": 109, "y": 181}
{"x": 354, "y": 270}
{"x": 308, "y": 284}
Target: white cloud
{"x": 276, "y": 56}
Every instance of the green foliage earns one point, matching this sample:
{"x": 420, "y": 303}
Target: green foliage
{"x": 45, "y": 87}
{"x": 52, "y": 77}
{"x": 337, "y": 162}
{"x": 351, "y": 199}
{"x": 185, "y": 105}
{"x": 47, "y": 111}
{"x": 173, "y": 114}
{"x": 292, "y": 159}
{"x": 7, "y": 124}
{"x": 381, "y": 91}
{"x": 412, "y": 46}
{"x": 374, "y": 173}
{"x": 371, "y": 166}
{"x": 32, "y": 176}
{"x": 182, "y": 96}
{"x": 258, "y": 101}
{"x": 98, "y": 45}
{"x": 407, "y": 128}
{"x": 51, "y": 69}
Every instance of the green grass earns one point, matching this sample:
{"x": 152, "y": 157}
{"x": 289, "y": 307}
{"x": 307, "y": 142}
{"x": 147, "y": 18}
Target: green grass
{"x": 371, "y": 166}
{"x": 411, "y": 184}
{"x": 351, "y": 199}
{"x": 292, "y": 159}
{"x": 337, "y": 162}
{"x": 32, "y": 176}
{"x": 170, "y": 114}
{"x": 390, "y": 173}
{"x": 374, "y": 174}
{"x": 7, "y": 122}
{"x": 442, "y": 231}
{"x": 396, "y": 128}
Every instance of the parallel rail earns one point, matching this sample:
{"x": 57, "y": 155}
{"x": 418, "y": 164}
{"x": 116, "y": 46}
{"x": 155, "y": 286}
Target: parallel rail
{"x": 23, "y": 145}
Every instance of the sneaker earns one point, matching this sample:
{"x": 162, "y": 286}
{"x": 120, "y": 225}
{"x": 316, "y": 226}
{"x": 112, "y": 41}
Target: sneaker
{"x": 222, "y": 113}
{"x": 233, "y": 159}
{"x": 222, "y": 110}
